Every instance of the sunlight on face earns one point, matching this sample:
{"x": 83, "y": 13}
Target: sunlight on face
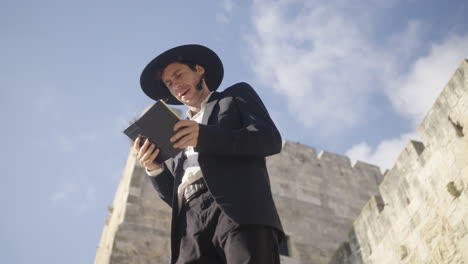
{"x": 182, "y": 82}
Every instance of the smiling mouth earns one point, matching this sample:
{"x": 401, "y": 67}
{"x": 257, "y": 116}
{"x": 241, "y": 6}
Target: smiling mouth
{"x": 185, "y": 92}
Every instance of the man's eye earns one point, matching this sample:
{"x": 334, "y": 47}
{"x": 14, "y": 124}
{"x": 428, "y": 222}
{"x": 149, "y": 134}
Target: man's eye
{"x": 179, "y": 75}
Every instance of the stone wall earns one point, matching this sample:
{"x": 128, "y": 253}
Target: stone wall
{"x": 318, "y": 197}
{"x": 421, "y": 213}
{"x": 137, "y": 229}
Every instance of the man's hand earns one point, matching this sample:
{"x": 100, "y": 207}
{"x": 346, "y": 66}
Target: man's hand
{"x": 147, "y": 154}
{"x": 187, "y": 135}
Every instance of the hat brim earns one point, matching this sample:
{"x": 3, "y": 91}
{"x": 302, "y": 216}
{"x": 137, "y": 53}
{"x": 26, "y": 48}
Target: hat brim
{"x": 150, "y": 80}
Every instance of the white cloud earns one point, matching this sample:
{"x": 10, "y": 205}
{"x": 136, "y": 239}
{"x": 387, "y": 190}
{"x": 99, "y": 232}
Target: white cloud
{"x": 384, "y": 155}
{"x": 413, "y": 94}
{"x": 321, "y": 59}
{"x": 324, "y": 58}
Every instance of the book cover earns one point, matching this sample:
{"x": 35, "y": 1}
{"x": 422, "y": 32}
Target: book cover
{"x": 156, "y": 124}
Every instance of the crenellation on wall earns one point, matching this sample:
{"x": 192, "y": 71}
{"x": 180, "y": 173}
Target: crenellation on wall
{"x": 417, "y": 146}
{"x": 335, "y": 159}
{"x": 436, "y": 129}
{"x": 313, "y": 167}
{"x": 324, "y": 191}
{"x": 458, "y": 83}
{"x": 370, "y": 213}
{"x": 298, "y": 152}
{"x": 366, "y": 167}
{"x": 407, "y": 160}
{"x": 368, "y": 170}
{"x": 424, "y": 195}
{"x": 395, "y": 188}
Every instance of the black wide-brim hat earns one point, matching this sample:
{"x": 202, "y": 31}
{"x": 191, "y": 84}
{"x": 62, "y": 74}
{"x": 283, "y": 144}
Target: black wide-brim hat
{"x": 150, "y": 79}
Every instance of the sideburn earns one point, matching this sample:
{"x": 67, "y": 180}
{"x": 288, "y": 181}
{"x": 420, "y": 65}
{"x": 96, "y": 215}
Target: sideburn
{"x": 199, "y": 86}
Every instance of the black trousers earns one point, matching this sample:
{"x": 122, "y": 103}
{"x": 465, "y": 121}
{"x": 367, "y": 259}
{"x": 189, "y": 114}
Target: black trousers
{"x": 205, "y": 234}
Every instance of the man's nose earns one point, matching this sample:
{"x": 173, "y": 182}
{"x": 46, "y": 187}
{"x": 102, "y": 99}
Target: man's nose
{"x": 176, "y": 87}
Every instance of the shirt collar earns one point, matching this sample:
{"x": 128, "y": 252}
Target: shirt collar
{"x": 202, "y": 107}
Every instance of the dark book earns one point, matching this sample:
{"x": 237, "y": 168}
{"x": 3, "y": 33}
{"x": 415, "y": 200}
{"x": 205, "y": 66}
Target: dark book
{"x": 157, "y": 124}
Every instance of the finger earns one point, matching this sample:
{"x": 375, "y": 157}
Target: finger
{"x": 185, "y": 141}
{"x": 154, "y": 155}
{"x": 183, "y": 123}
{"x": 189, "y": 142}
{"x": 183, "y": 132}
{"x": 143, "y": 148}
{"x": 181, "y": 142}
{"x": 179, "y": 125}
{"x": 145, "y": 145}
{"x": 147, "y": 153}
{"x": 136, "y": 144}
{"x": 189, "y": 139}
{"x": 178, "y": 135}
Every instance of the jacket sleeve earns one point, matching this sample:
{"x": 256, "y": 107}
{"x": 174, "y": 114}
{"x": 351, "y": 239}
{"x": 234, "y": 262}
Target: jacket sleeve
{"x": 164, "y": 185}
{"x": 257, "y": 136}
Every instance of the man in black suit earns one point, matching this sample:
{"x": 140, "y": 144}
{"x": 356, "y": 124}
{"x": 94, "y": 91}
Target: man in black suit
{"x": 218, "y": 187}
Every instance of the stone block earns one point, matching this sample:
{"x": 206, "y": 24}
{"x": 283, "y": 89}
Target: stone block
{"x": 134, "y": 191}
{"x": 463, "y": 248}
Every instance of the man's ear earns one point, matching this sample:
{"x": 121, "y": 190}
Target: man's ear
{"x": 200, "y": 69}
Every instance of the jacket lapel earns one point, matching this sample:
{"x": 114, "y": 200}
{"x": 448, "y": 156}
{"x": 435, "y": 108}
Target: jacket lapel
{"x": 178, "y": 174}
{"x": 178, "y": 161}
{"x": 209, "y": 107}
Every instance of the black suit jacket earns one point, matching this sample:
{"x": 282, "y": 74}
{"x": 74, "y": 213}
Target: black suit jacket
{"x": 232, "y": 147}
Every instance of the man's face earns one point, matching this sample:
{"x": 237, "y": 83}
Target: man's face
{"x": 182, "y": 83}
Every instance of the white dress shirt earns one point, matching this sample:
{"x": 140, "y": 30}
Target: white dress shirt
{"x": 191, "y": 167}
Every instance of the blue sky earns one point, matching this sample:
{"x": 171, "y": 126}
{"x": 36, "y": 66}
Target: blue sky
{"x": 346, "y": 77}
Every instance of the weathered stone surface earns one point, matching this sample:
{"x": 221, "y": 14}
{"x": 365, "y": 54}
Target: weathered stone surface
{"x": 138, "y": 227}
{"x": 318, "y": 197}
{"x": 425, "y": 199}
